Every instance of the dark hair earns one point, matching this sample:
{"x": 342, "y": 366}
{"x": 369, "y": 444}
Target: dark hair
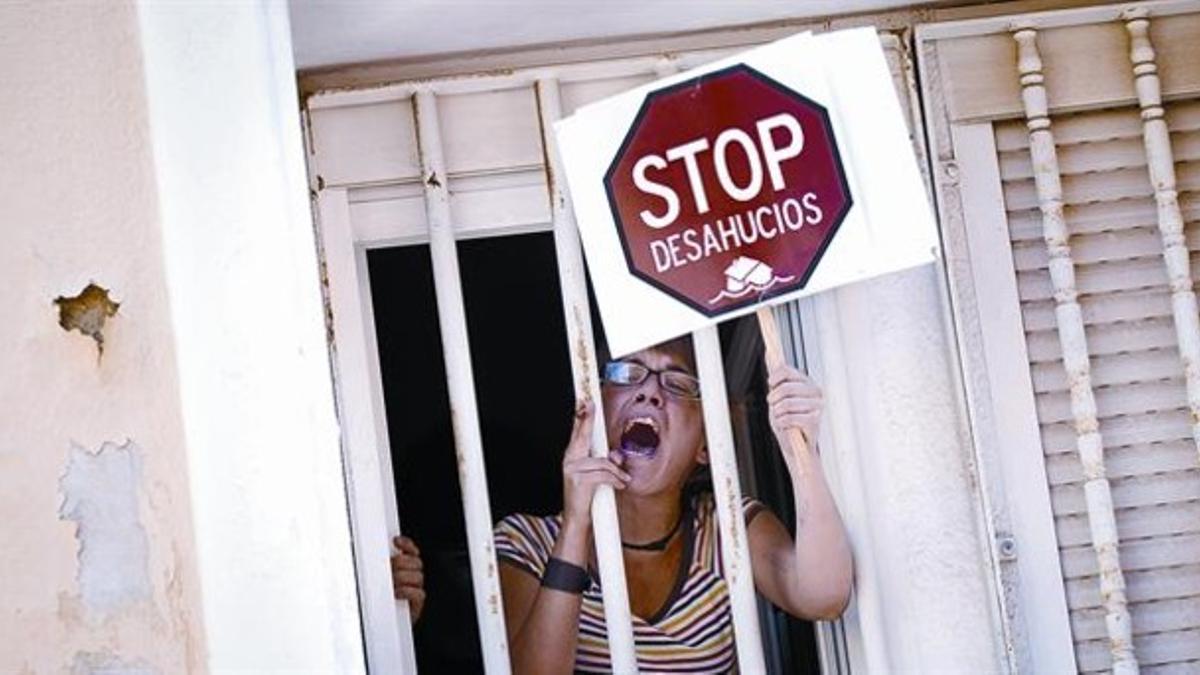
{"x": 680, "y": 346}
{"x": 698, "y": 482}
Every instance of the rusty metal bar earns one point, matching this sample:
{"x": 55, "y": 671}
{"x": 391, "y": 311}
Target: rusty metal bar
{"x": 576, "y": 311}
{"x": 1160, "y": 160}
{"x": 1075, "y": 351}
{"x": 735, "y": 547}
{"x": 365, "y": 445}
{"x": 468, "y": 443}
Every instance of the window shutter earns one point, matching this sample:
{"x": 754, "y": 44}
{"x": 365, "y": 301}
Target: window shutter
{"x": 1141, "y": 395}
{"x": 1137, "y": 375}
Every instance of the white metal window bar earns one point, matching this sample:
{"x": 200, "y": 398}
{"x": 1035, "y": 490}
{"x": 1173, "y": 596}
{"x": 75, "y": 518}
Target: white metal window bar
{"x": 573, "y": 283}
{"x": 727, "y": 490}
{"x": 1075, "y": 350}
{"x": 468, "y": 443}
{"x": 1161, "y": 163}
{"x": 735, "y": 548}
{"x": 365, "y": 444}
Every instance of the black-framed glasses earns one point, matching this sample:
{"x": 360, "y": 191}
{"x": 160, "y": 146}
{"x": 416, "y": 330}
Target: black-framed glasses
{"x": 630, "y": 373}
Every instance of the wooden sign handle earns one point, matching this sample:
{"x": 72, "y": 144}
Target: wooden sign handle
{"x": 773, "y": 346}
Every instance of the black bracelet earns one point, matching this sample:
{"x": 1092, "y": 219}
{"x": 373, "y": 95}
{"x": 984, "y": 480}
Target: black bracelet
{"x": 561, "y": 575}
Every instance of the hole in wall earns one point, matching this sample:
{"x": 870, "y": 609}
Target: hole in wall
{"x": 87, "y": 312}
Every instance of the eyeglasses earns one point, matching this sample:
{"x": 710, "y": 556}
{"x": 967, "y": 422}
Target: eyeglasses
{"x": 630, "y": 373}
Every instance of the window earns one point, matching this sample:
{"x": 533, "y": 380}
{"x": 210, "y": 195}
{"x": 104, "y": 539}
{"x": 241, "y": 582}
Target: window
{"x": 1088, "y": 333}
{"x": 374, "y": 193}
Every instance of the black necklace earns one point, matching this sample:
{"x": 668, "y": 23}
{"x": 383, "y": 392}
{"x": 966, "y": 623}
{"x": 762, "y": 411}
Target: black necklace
{"x": 657, "y": 544}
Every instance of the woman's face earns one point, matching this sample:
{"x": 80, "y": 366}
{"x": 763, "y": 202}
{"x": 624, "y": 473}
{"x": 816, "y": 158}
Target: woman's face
{"x": 660, "y": 433}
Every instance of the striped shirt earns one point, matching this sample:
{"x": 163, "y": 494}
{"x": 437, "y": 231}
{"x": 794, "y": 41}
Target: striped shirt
{"x": 692, "y": 633}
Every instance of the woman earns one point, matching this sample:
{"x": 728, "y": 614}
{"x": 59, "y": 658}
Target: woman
{"x": 677, "y": 593}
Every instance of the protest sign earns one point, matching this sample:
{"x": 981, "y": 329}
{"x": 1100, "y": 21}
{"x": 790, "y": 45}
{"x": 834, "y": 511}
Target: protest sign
{"x": 781, "y": 172}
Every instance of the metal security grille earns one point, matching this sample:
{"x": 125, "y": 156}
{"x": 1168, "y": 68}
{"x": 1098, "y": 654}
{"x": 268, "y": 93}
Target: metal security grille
{"x": 1069, "y": 167}
{"x": 441, "y": 161}
{"x": 480, "y": 145}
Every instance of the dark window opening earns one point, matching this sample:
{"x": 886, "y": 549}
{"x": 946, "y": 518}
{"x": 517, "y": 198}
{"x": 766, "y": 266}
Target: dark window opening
{"x": 525, "y": 399}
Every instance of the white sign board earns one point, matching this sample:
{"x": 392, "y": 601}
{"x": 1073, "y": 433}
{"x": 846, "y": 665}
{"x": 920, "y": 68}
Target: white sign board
{"x": 778, "y": 173}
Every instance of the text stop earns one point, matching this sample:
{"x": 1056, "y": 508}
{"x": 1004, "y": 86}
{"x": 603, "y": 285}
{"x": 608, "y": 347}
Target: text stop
{"x": 727, "y": 189}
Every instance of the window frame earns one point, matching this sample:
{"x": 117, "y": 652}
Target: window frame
{"x": 824, "y": 325}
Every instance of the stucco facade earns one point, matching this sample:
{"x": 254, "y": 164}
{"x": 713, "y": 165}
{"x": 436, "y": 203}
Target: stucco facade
{"x": 99, "y": 559}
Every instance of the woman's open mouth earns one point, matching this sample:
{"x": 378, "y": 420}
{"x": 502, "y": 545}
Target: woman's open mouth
{"x": 640, "y": 437}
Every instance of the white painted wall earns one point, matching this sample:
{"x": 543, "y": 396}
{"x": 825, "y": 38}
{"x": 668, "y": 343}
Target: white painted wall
{"x": 156, "y": 151}
{"x": 276, "y": 572}
{"x": 904, "y": 477}
{"x": 112, "y": 582}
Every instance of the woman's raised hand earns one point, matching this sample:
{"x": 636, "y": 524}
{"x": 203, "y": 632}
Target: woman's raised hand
{"x": 794, "y": 401}
{"x": 582, "y": 472}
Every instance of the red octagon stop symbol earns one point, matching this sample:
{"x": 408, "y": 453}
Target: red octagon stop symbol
{"x": 727, "y": 189}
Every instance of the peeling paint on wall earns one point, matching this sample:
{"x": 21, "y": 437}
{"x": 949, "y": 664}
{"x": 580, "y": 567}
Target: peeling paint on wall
{"x": 107, "y": 663}
{"x": 100, "y": 493}
{"x": 87, "y": 312}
